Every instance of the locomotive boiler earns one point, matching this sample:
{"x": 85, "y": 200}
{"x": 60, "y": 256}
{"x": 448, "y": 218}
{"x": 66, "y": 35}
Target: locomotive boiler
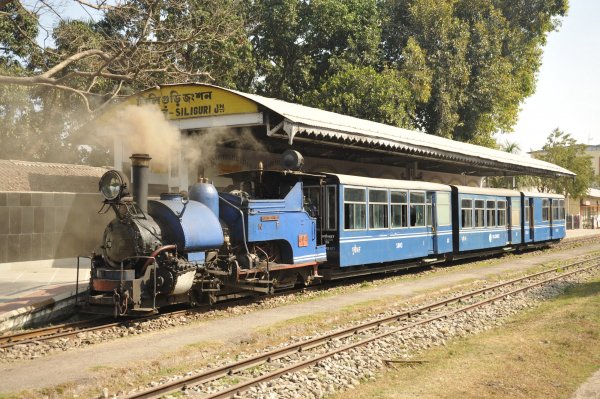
{"x": 201, "y": 247}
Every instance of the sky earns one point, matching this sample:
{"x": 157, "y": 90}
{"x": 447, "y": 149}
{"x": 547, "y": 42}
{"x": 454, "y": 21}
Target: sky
{"x": 568, "y": 85}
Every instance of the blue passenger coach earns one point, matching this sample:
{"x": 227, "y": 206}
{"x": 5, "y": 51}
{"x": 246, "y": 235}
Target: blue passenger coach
{"x": 486, "y": 219}
{"x": 544, "y": 217}
{"x": 375, "y": 222}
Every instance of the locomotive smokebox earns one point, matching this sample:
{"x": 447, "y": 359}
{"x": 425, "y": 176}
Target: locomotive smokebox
{"x": 140, "y": 166}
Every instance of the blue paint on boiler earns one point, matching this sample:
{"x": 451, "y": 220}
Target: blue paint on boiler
{"x": 194, "y": 229}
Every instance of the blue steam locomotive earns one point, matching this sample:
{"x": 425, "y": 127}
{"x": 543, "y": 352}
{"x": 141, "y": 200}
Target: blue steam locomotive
{"x": 273, "y": 230}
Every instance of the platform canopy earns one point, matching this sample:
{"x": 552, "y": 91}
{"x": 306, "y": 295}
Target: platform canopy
{"x": 323, "y": 134}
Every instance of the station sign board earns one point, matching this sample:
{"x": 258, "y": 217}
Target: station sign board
{"x": 194, "y": 100}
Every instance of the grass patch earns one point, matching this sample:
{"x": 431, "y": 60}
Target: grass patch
{"x": 545, "y": 352}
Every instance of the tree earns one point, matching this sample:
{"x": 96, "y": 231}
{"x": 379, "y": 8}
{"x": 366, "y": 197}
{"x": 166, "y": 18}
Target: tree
{"x": 53, "y": 80}
{"x": 132, "y": 44}
{"x": 299, "y": 44}
{"x": 457, "y": 69}
{"x": 563, "y": 150}
{"x": 512, "y": 182}
{"x": 483, "y": 56}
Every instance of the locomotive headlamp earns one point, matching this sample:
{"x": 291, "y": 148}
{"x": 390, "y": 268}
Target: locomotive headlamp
{"x": 113, "y": 185}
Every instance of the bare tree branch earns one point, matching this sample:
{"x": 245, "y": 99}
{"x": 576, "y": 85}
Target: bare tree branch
{"x": 74, "y": 58}
{"x": 81, "y": 94}
{"x": 100, "y": 6}
{"x": 153, "y": 41}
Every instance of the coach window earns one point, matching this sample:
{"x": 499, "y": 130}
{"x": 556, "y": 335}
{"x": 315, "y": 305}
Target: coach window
{"x": 491, "y": 213}
{"x": 378, "y": 209}
{"x": 545, "y": 210}
{"x": 555, "y": 210}
{"x": 501, "y": 213}
{"x": 466, "y": 213}
{"x": 515, "y": 213}
{"x": 561, "y": 205}
{"x": 527, "y": 211}
{"x": 479, "y": 213}
{"x": 429, "y": 209}
{"x": 355, "y": 209}
{"x": 330, "y": 208}
{"x": 443, "y": 209}
{"x": 399, "y": 209}
{"x": 417, "y": 209}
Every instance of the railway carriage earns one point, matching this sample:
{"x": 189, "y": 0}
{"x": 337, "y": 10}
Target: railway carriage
{"x": 543, "y": 217}
{"x": 382, "y": 223}
{"x": 485, "y": 219}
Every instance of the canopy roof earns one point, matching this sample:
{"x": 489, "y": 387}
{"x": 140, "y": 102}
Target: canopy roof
{"x": 320, "y": 133}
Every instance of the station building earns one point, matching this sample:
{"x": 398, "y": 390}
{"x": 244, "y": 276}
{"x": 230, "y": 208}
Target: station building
{"x": 584, "y": 213}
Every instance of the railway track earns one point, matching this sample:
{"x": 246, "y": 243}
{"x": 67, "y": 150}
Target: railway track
{"x": 359, "y": 335}
{"x": 98, "y": 324}
{"x": 54, "y": 331}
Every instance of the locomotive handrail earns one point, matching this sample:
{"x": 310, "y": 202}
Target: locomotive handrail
{"x": 243, "y": 222}
{"x": 77, "y": 278}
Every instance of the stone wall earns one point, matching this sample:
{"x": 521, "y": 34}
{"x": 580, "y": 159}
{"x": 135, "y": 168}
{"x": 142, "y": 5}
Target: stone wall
{"x": 49, "y": 225}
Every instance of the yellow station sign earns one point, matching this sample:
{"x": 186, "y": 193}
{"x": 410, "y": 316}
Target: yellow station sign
{"x": 194, "y": 100}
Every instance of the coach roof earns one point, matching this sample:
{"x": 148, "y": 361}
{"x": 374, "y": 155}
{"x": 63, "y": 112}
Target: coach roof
{"x": 388, "y": 183}
{"x": 488, "y": 191}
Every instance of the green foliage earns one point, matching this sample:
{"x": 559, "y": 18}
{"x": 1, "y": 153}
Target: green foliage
{"x": 483, "y": 56}
{"x": 512, "y": 182}
{"x": 17, "y": 27}
{"x": 299, "y": 44}
{"x": 137, "y": 44}
{"x": 365, "y": 93}
{"x": 457, "y": 69}
{"x": 563, "y": 150}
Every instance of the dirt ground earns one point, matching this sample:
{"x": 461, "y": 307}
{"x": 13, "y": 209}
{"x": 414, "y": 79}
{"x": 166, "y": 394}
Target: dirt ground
{"x": 77, "y": 366}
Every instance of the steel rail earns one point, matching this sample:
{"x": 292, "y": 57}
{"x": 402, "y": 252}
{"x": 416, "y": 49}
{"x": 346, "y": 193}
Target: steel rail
{"x": 229, "y": 369}
{"x": 9, "y": 340}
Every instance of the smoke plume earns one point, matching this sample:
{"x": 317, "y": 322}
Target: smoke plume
{"x": 144, "y": 129}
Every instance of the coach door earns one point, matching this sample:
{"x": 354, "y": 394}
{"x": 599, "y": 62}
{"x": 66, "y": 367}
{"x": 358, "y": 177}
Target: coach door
{"x": 553, "y": 216}
{"x": 432, "y": 226}
{"x": 531, "y": 214}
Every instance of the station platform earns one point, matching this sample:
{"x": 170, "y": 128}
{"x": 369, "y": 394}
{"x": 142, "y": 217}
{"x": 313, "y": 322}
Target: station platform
{"x": 26, "y": 287}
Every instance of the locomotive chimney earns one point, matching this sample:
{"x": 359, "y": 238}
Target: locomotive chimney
{"x": 140, "y": 164}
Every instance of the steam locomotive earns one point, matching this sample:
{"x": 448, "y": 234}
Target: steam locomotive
{"x": 276, "y": 229}
{"x": 204, "y": 247}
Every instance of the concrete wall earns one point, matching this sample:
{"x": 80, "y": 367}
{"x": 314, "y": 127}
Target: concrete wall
{"x": 49, "y": 225}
